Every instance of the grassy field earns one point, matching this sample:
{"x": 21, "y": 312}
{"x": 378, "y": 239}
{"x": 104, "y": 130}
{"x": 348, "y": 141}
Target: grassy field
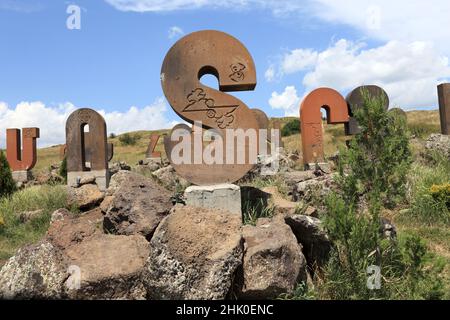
{"x": 434, "y": 231}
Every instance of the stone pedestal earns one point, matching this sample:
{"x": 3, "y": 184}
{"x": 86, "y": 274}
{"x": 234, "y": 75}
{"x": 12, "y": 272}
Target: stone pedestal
{"x": 222, "y": 196}
{"x": 21, "y": 177}
{"x": 101, "y": 178}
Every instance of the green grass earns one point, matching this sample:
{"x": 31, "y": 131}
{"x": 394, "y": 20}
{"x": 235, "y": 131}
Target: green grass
{"x": 425, "y": 208}
{"x": 15, "y": 234}
{"x": 252, "y": 212}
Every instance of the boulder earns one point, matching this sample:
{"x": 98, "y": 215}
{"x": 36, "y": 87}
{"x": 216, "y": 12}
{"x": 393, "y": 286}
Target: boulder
{"x": 134, "y": 205}
{"x": 311, "y": 190}
{"x": 68, "y": 229}
{"x": 280, "y": 204}
{"x": 85, "y": 197}
{"x": 59, "y": 215}
{"x": 273, "y": 261}
{"x": 110, "y": 267}
{"x": 194, "y": 254}
{"x": 169, "y": 178}
{"x": 315, "y": 241}
{"x": 438, "y": 143}
{"x": 87, "y": 180}
{"x": 115, "y": 167}
{"x": 293, "y": 177}
{"x": 35, "y": 272}
{"x": 77, "y": 260}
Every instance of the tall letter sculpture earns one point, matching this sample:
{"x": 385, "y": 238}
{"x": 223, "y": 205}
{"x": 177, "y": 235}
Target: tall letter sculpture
{"x": 219, "y": 54}
{"x": 77, "y": 140}
{"x": 87, "y": 147}
{"x": 21, "y": 161}
{"x": 444, "y": 107}
{"x": 355, "y": 100}
{"x": 311, "y": 121}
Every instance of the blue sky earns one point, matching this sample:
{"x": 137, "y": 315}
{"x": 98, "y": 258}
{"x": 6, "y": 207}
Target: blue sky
{"x": 113, "y": 63}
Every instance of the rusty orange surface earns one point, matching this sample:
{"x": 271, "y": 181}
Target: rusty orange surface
{"x": 22, "y": 156}
{"x": 311, "y": 120}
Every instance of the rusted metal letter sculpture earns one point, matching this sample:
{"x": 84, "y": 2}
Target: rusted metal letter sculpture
{"x": 444, "y": 107}
{"x": 77, "y": 141}
{"x": 355, "y": 100}
{"x": 311, "y": 121}
{"x": 219, "y": 54}
{"x": 21, "y": 160}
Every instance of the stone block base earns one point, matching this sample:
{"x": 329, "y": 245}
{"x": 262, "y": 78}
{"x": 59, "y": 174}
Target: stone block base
{"x": 21, "y": 177}
{"x": 101, "y": 178}
{"x": 222, "y": 196}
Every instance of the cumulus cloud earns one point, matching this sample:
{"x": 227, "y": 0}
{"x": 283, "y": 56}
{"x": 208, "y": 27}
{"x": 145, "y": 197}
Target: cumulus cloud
{"x": 409, "y": 72}
{"x": 287, "y": 101}
{"x": 278, "y": 7}
{"x": 175, "y": 32}
{"x": 298, "y": 60}
{"x": 402, "y": 20}
{"x": 52, "y": 119}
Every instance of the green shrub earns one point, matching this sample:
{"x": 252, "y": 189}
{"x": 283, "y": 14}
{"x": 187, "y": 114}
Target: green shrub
{"x": 129, "y": 139}
{"x": 374, "y": 170}
{"x": 112, "y": 135}
{"x": 7, "y": 184}
{"x": 379, "y": 157}
{"x": 63, "y": 169}
{"x": 291, "y": 128}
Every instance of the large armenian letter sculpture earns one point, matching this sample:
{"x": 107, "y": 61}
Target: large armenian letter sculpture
{"x": 219, "y": 54}
{"x": 354, "y": 102}
{"x": 21, "y": 160}
{"x": 76, "y": 141}
{"x": 87, "y": 147}
{"x": 311, "y": 121}
{"x": 444, "y": 107}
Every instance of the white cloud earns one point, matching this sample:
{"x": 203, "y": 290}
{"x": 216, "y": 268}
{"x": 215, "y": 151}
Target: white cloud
{"x": 270, "y": 74}
{"x": 278, "y": 7}
{"x": 52, "y": 120}
{"x": 175, "y": 32}
{"x": 287, "y": 101}
{"x": 402, "y": 20}
{"x": 298, "y": 60}
{"x": 409, "y": 72}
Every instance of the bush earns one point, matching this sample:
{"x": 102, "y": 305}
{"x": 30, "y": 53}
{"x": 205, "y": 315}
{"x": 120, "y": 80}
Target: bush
{"x": 379, "y": 157}
{"x": 7, "y": 184}
{"x": 128, "y": 139}
{"x": 374, "y": 170}
{"x": 112, "y": 135}
{"x": 63, "y": 169}
{"x": 291, "y": 128}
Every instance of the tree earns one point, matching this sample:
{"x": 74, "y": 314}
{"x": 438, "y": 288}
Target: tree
{"x": 7, "y": 184}
{"x": 372, "y": 175}
{"x": 379, "y": 157}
